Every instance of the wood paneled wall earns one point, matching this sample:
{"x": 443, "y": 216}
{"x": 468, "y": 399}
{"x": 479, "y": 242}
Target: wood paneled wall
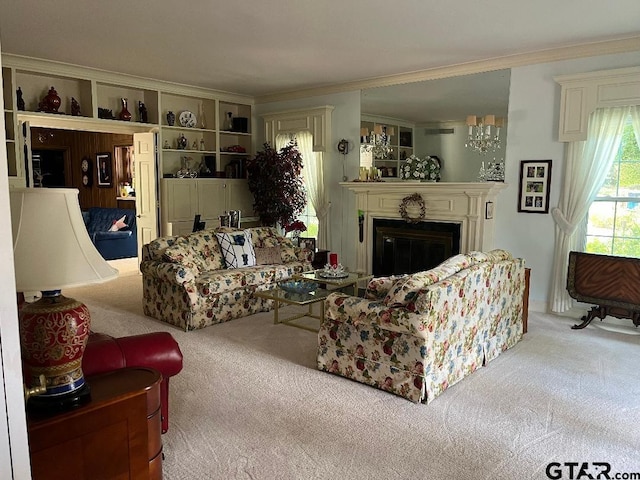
{"x": 76, "y": 146}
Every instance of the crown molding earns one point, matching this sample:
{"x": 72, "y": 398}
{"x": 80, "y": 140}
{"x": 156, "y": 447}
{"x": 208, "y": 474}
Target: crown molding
{"x": 602, "y": 75}
{"x": 510, "y": 61}
{"x": 285, "y": 114}
{"x": 372, "y": 117}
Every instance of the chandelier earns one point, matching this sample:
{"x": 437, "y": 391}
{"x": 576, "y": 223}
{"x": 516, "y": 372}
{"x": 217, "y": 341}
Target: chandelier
{"x": 378, "y": 143}
{"x": 484, "y": 133}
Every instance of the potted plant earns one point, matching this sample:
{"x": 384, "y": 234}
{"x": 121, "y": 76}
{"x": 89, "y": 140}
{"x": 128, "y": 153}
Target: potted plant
{"x": 275, "y": 181}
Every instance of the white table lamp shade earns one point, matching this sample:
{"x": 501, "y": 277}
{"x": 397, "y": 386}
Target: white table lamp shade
{"x": 52, "y": 249}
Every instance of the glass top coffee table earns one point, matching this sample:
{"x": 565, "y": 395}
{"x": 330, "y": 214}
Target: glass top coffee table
{"x": 330, "y": 285}
{"x": 280, "y": 296}
{"x": 339, "y": 283}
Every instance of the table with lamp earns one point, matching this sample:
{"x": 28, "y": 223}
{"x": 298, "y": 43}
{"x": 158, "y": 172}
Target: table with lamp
{"x": 72, "y": 421}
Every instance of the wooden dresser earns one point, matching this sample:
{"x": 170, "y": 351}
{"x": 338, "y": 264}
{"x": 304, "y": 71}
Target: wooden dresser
{"x": 117, "y": 435}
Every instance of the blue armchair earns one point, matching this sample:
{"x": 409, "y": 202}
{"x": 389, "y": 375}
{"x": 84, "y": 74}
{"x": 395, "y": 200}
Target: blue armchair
{"x": 112, "y": 245}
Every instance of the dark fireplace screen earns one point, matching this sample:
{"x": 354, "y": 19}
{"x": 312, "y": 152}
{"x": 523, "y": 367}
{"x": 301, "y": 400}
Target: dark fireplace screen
{"x": 402, "y": 247}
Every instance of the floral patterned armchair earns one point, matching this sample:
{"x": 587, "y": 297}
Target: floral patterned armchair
{"x": 416, "y": 335}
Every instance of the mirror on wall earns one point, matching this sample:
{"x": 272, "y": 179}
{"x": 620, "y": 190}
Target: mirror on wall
{"x": 437, "y": 111}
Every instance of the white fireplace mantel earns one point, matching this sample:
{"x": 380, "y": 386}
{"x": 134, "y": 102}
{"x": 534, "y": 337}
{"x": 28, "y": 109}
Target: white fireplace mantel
{"x": 468, "y": 204}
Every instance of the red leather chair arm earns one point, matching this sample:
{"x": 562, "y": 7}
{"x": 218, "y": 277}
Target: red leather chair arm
{"x": 103, "y": 354}
{"x": 158, "y": 350}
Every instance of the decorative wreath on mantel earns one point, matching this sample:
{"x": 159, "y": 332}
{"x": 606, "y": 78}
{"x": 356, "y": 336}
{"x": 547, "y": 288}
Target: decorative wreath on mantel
{"x": 415, "y": 199}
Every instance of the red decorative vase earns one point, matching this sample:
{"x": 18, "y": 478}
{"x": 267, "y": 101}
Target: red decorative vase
{"x": 50, "y": 103}
{"x": 125, "y": 114}
{"x": 53, "y": 337}
{"x": 53, "y": 100}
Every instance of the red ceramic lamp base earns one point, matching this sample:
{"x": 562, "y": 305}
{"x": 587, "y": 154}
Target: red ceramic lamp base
{"x": 53, "y": 335}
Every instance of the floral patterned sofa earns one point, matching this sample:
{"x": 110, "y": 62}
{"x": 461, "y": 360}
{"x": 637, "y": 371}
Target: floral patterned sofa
{"x": 186, "y": 281}
{"x": 415, "y": 335}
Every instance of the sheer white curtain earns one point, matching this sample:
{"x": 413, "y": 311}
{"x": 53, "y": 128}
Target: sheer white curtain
{"x": 313, "y": 179}
{"x": 587, "y": 165}
{"x": 635, "y": 121}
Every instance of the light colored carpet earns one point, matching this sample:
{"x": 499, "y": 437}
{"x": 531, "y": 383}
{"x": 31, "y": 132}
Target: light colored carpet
{"x": 250, "y": 404}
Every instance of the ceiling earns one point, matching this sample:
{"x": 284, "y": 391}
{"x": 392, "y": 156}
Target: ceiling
{"x": 263, "y": 48}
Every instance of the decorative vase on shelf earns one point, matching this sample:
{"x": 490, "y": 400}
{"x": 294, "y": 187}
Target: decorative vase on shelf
{"x": 53, "y": 100}
{"x": 124, "y": 113}
{"x": 203, "y": 120}
{"x": 21, "y": 105}
{"x": 142, "y": 112}
{"x": 75, "y": 107}
{"x": 171, "y": 118}
{"x": 50, "y": 103}
{"x": 229, "y": 125}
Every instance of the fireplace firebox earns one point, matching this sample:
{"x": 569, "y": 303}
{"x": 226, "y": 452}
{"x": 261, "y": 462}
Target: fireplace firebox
{"x": 401, "y": 247}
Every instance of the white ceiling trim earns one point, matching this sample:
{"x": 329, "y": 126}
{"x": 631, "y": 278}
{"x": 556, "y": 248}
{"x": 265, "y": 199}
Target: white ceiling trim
{"x": 518, "y": 60}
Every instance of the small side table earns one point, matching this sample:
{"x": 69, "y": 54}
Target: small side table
{"x": 115, "y": 435}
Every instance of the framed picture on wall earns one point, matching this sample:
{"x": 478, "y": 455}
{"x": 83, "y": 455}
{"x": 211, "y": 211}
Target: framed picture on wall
{"x": 535, "y": 186}
{"x": 104, "y": 169}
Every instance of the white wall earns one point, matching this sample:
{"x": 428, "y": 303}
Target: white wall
{"x": 534, "y": 103}
{"x": 14, "y": 451}
{"x": 345, "y": 123}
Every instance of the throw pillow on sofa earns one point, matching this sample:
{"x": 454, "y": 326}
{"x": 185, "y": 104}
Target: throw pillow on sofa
{"x": 206, "y": 245}
{"x": 268, "y": 255}
{"x": 237, "y": 249}
{"x": 119, "y": 224}
{"x": 183, "y": 254}
{"x": 287, "y": 250}
{"x": 264, "y": 237}
{"x": 405, "y": 290}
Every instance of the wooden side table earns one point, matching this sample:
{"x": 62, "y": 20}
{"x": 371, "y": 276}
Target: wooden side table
{"x": 116, "y": 435}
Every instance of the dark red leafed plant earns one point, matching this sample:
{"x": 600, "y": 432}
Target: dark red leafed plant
{"x": 276, "y": 184}
{"x": 296, "y": 226}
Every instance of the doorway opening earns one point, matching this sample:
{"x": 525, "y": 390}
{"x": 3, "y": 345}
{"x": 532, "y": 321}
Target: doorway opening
{"x": 48, "y": 168}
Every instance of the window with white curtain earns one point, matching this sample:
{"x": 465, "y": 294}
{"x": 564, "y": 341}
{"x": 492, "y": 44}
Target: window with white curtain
{"x": 614, "y": 216}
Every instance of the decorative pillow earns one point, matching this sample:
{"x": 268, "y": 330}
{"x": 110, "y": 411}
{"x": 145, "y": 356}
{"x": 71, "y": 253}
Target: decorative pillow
{"x": 237, "y": 249}
{"x": 207, "y": 249}
{"x": 182, "y": 254}
{"x": 498, "y": 255}
{"x": 118, "y": 224}
{"x": 406, "y": 289}
{"x": 264, "y": 237}
{"x": 287, "y": 250}
{"x": 268, "y": 255}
